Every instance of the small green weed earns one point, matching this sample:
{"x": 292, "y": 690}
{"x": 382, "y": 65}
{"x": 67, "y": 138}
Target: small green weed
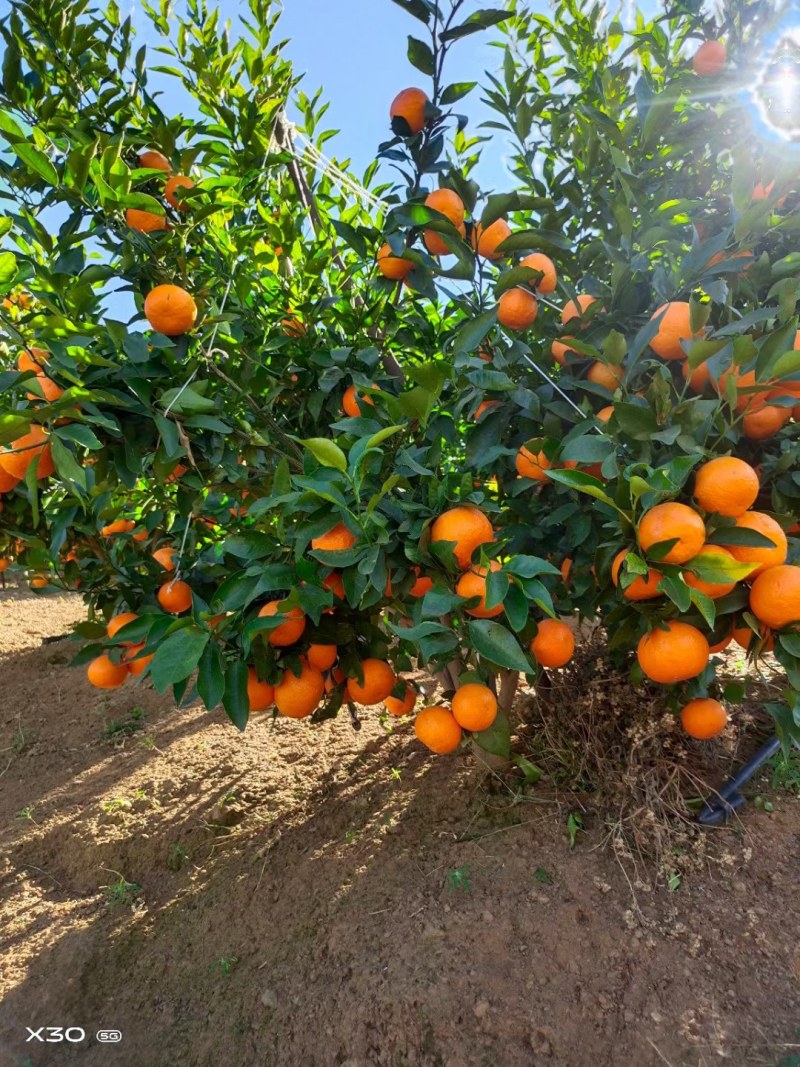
{"x": 459, "y": 880}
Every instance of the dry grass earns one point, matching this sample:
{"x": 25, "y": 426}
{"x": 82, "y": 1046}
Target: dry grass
{"x": 620, "y": 751}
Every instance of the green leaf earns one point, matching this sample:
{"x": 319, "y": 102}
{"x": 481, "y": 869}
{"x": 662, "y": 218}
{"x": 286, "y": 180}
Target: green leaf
{"x": 326, "y": 452}
{"x": 497, "y": 738}
{"x": 211, "y": 675}
{"x": 455, "y": 92}
{"x": 497, "y": 644}
{"x": 177, "y": 656}
{"x": 791, "y": 642}
{"x": 36, "y": 161}
{"x": 740, "y": 535}
{"x": 382, "y": 435}
{"x": 478, "y": 20}
{"x": 8, "y": 267}
{"x": 584, "y": 483}
{"x": 473, "y": 332}
{"x": 66, "y": 464}
{"x": 420, "y": 56}
{"x": 234, "y": 699}
{"x": 417, "y": 8}
{"x": 12, "y": 427}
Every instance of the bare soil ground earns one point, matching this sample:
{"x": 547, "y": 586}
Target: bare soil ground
{"x": 320, "y": 896}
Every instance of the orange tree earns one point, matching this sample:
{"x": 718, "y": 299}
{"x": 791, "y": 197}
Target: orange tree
{"x": 347, "y": 428}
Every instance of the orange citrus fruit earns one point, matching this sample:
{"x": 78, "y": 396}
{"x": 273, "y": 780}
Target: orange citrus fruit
{"x": 726, "y": 485}
{"x": 116, "y": 623}
{"x": 668, "y": 521}
{"x": 767, "y": 556}
{"x": 322, "y": 657}
{"x": 775, "y": 596}
{"x": 170, "y": 310}
{"x": 177, "y": 181}
{"x": 296, "y": 696}
{"x": 517, "y": 309}
{"x": 104, "y": 674}
{"x": 539, "y": 261}
{"x": 472, "y": 583}
{"x": 287, "y": 632}
{"x": 533, "y": 465}
{"x": 673, "y": 654}
{"x": 379, "y": 681}
{"x": 474, "y": 707}
{"x": 395, "y": 706}
{"x": 467, "y": 527}
{"x": 674, "y": 327}
{"x": 175, "y": 597}
{"x": 709, "y": 59}
{"x": 409, "y": 106}
{"x": 486, "y": 241}
{"x": 260, "y": 695}
{"x": 337, "y": 539}
{"x": 554, "y": 643}
{"x": 703, "y": 718}
{"x": 391, "y": 266}
{"x": 437, "y": 729}
{"x": 576, "y": 309}
{"x": 641, "y": 588}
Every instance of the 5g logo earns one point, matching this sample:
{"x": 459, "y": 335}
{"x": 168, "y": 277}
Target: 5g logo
{"x": 54, "y": 1034}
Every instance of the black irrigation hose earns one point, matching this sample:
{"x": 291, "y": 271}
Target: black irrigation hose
{"x": 718, "y": 809}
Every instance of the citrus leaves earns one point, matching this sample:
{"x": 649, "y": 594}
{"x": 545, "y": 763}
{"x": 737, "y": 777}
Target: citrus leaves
{"x": 326, "y": 452}
{"x": 498, "y": 645}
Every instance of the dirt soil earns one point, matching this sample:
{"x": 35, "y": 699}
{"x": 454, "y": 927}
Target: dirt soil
{"x": 318, "y": 896}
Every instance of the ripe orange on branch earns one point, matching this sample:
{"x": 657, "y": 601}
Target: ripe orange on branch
{"x": 21, "y": 453}
{"x": 322, "y": 657}
{"x": 118, "y": 526}
{"x": 337, "y": 539}
{"x": 486, "y": 241}
{"x": 642, "y": 587}
{"x": 668, "y": 521}
{"x": 704, "y": 718}
{"x": 391, "y": 266}
{"x": 351, "y": 401}
{"x": 472, "y": 583}
{"x": 260, "y": 695}
{"x": 715, "y": 590}
{"x": 170, "y": 310}
{"x": 155, "y": 160}
{"x": 576, "y": 309}
{"x": 297, "y": 696}
{"x": 517, "y": 309}
{"x": 437, "y": 729}
{"x": 533, "y": 465}
{"x": 539, "y": 261}
{"x": 177, "y": 181}
{"x": 474, "y": 707}
{"x": 775, "y": 596}
{"x": 467, "y": 527}
{"x": 379, "y": 681}
{"x": 767, "y": 556}
{"x": 610, "y": 377}
{"x": 287, "y": 632}
{"x": 727, "y": 486}
{"x": 104, "y": 674}
{"x": 116, "y": 623}
{"x": 447, "y": 203}
{"x": 674, "y": 327}
{"x": 554, "y": 643}
{"x": 408, "y": 106}
{"x": 175, "y": 597}
{"x": 405, "y": 706}
{"x": 145, "y": 221}
{"x": 674, "y": 654}
{"x": 709, "y": 59}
